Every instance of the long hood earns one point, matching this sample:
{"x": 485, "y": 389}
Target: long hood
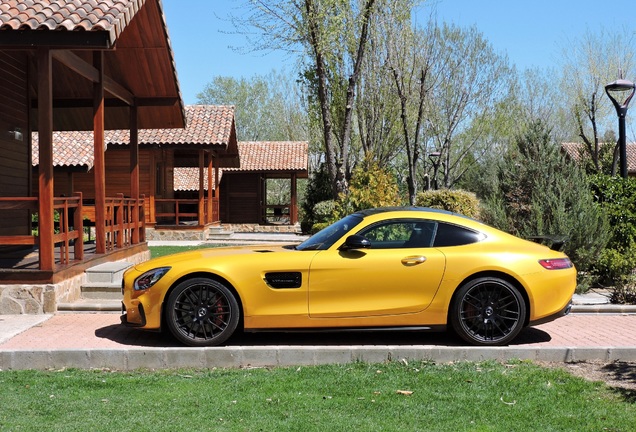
{"x": 202, "y": 254}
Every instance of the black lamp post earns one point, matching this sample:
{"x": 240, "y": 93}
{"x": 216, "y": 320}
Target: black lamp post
{"x": 620, "y": 93}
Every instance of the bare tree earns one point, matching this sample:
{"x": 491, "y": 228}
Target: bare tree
{"x": 588, "y": 65}
{"x": 334, "y": 36}
{"x": 412, "y": 56}
{"x": 474, "y": 80}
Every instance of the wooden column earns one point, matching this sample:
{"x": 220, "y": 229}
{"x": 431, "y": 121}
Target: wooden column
{"x": 201, "y": 188}
{"x": 45, "y": 170}
{"x": 134, "y": 172}
{"x": 293, "y": 211}
{"x": 99, "y": 161}
{"x": 211, "y": 161}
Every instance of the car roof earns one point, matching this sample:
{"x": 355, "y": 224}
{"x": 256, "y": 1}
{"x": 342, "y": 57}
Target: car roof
{"x": 374, "y": 211}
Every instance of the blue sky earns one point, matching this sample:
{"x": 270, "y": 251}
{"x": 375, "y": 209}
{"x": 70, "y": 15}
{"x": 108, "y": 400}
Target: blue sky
{"x": 531, "y": 32}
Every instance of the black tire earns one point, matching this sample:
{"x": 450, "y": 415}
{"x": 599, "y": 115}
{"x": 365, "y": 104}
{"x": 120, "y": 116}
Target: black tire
{"x": 202, "y": 312}
{"x": 488, "y": 311}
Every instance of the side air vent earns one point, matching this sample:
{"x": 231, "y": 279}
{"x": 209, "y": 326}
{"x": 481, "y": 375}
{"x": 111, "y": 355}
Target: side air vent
{"x": 284, "y": 279}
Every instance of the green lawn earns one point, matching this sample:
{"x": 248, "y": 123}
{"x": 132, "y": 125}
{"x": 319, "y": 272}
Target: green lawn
{"x": 517, "y": 396}
{"x": 157, "y": 251}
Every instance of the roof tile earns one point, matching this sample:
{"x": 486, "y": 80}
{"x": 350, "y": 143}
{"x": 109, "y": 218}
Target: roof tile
{"x": 573, "y": 150}
{"x": 206, "y": 125}
{"x": 91, "y": 15}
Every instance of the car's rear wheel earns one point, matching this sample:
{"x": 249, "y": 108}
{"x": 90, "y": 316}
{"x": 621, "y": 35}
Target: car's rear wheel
{"x": 202, "y": 312}
{"x": 488, "y": 311}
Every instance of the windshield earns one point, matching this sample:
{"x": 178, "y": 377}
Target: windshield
{"x": 325, "y": 238}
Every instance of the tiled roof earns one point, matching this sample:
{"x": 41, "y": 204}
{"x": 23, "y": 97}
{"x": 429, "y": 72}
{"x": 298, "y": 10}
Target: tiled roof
{"x": 206, "y": 125}
{"x": 187, "y": 178}
{"x": 69, "y": 149}
{"x": 111, "y": 16}
{"x": 272, "y": 156}
{"x": 574, "y": 150}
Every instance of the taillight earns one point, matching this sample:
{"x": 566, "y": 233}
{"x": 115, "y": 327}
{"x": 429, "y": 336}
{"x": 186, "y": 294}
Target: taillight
{"x": 556, "y": 263}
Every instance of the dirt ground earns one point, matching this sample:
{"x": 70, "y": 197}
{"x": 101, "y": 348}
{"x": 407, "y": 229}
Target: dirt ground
{"x": 619, "y": 375}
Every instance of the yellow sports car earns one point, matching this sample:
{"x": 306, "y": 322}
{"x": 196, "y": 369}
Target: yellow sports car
{"x": 380, "y": 268}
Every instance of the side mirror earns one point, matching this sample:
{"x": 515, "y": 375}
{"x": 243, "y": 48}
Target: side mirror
{"x": 356, "y": 242}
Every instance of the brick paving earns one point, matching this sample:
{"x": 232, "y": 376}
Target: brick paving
{"x": 103, "y": 331}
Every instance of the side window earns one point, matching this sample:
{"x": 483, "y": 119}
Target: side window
{"x": 453, "y": 235}
{"x": 400, "y": 234}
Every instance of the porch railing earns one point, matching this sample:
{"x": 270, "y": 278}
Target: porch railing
{"x": 181, "y": 211}
{"x": 125, "y": 220}
{"x": 69, "y": 228}
{"x": 125, "y": 223}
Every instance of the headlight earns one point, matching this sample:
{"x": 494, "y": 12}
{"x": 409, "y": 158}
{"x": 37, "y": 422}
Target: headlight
{"x": 150, "y": 278}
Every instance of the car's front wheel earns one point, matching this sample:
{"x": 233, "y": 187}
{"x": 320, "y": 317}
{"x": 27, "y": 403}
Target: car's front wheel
{"x": 202, "y": 312}
{"x": 488, "y": 311}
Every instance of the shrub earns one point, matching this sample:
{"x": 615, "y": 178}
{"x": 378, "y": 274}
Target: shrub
{"x": 370, "y": 187}
{"x": 456, "y": 201}
{"x": 323, "y": 215}
{"x": 541, "y": 193}
{"x": 318, "y": 190}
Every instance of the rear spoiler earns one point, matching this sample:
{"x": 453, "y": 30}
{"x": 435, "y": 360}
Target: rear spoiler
{"x": 553, "y": 242}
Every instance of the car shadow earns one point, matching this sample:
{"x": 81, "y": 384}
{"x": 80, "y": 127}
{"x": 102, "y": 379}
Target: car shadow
{"x": 135, "y": 337}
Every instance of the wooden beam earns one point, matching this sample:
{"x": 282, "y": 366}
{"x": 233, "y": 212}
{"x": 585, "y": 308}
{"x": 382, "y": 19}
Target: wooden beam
{"x": 99, "y": 158}
{"x": 134, "y": 171}
{"x": 201, "y": 188}
{"x": 27, "y": 39}
{"x": 293, "y": 211}
{"x": 45, "y": 169}
{"x": 79, "y": 66}
{"x": 110, "y": 102}
{"x": 211, "y": 161}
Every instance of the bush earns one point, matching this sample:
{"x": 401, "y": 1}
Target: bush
{"x": 625, "y": 291}
{"x": 613, "y": 266}
{"x": 318, "y": 190}
{"x": 370, "y": 187}
{"x": 323, "y": 215}
{"x": 456, "y": 201}
{"x": 541, "y": 193}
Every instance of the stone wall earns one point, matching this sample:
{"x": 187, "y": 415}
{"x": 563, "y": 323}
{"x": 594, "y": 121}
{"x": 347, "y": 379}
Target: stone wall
{"x": 33, "y": 299}
{"x": 153, "y": 234}
{"x": 255, "y": 228}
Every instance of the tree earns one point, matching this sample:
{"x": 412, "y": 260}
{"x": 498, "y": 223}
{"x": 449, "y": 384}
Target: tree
{"x": 473, "y": 80}
{"x": 267, "y": 108}
{"x": 411, "y": 57}
{"x": 589, "y": 64}
{"x": 542, "y": 193}
{"x": 334, "y": 36}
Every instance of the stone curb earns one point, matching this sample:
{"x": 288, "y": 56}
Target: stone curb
{"x": 288, "y": 356}
{"x": 603, "y": 308}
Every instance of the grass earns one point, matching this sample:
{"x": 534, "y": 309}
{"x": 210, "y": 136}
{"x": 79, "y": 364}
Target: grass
{"x": 157, "y": 251}
{"x": 397, "y": 396}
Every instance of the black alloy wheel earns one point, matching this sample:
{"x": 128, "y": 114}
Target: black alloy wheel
{"x": 488, "y": 311}
{"x": 202, "y": 312}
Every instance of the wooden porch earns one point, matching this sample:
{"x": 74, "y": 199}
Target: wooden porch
{"x": 122, "y": 235}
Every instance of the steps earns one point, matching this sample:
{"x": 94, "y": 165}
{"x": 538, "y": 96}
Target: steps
{"x": 102, "y": 290}
{"x": 218, "y": 233}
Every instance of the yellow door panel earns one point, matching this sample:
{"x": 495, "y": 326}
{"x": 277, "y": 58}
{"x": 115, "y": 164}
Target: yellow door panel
{"x": 373, "y": 282}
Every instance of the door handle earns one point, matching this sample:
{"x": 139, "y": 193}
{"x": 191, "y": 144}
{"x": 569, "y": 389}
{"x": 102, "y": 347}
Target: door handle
{"x": 413, "y": 260}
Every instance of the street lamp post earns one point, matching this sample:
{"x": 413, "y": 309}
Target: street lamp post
{"x": 620, "y": 93}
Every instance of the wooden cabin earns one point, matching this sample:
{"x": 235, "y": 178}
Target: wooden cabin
{"x": 208, "y": 142}
{"x": 75, "y": 66}
{"x": 262, "y": 191}
{"x": 182, "y": 201}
